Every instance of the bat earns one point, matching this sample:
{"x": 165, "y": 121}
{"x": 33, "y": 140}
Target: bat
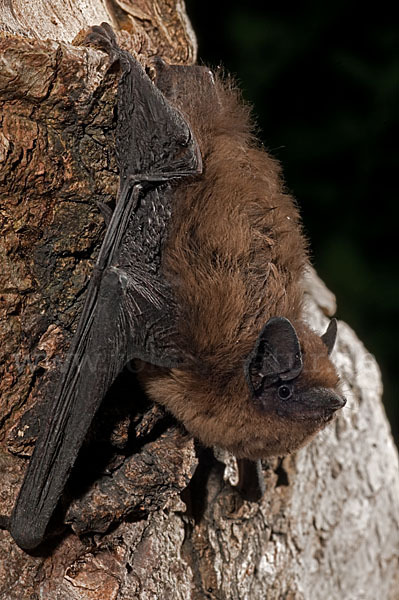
{"x": 199, "y": 280}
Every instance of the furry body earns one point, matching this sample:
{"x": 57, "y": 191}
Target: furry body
{"x": 234, "y": 257}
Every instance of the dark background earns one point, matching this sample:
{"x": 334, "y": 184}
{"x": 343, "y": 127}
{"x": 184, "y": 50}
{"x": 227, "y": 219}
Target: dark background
{"x": 324, "y": 82}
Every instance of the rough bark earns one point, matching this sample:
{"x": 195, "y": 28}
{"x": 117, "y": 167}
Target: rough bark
{"x": 158, "y": 517}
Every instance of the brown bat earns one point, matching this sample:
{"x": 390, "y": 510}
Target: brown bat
{"x": 199, "y": 278}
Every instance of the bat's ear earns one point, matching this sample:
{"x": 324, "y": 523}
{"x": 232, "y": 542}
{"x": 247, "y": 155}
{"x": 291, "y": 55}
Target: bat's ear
{"x": 276, "y": 354}
{"x": 330, "y": 335}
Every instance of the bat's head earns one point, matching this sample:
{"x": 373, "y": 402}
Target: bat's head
{"x": 293, "y": 384}
{"x": 275, "y": 401}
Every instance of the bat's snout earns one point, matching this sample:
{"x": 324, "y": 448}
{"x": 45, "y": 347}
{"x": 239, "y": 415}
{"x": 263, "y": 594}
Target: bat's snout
{"x": 336, "y": 402}
{"x": 322, "y": 401}
{"x": 330, "y": 401}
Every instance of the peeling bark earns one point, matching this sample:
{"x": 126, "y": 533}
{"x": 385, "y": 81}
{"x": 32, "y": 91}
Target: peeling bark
{"x": 159, "y": 27}
{"x": 158, "y": 517}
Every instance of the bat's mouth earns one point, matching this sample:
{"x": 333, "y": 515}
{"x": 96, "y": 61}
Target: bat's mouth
{"x": 329, "y": 417}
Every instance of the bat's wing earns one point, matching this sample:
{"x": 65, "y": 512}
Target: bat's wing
{"x": 128, "y": 310}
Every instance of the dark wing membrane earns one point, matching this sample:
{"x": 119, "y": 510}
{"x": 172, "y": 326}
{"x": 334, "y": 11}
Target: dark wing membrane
{"x": 98, "y": 353}
{"x": 127, "y": 314}
{"x": 128, "y": 311}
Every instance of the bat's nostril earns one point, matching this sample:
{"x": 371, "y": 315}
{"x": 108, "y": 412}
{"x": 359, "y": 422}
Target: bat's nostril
{"x": 336, "y": 402}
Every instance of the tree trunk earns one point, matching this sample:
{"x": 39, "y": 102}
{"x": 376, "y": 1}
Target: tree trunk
{"x": 157, "y": 516}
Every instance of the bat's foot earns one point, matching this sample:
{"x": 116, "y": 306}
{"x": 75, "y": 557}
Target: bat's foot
{"x": 103, "y": 38}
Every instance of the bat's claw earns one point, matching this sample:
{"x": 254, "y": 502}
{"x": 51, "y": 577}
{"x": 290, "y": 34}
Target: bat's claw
{"x": 103, "y": 38}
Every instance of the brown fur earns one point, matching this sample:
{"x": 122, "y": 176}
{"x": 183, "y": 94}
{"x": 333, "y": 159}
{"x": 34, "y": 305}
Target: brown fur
{"x": 234, "y": 258}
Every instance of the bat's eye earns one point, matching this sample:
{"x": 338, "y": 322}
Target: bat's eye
{"x": 284, "y": 392}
